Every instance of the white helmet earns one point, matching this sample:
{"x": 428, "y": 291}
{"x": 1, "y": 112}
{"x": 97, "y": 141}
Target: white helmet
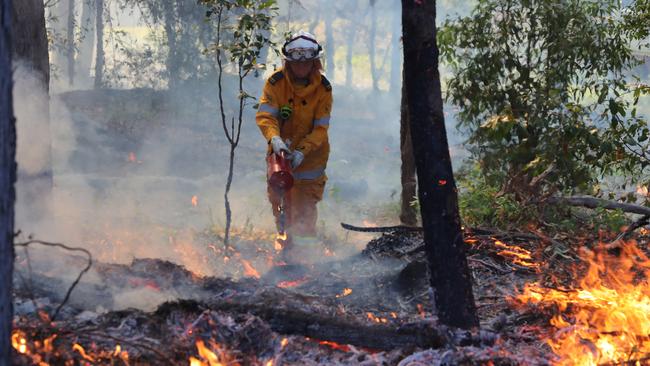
{"x": 302, "y": 46}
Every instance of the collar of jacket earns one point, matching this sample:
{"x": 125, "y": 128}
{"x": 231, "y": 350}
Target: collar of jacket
{"x": 314, "y": 82}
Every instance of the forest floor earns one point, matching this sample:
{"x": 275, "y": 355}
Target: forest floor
{"x": 138, "y": 184}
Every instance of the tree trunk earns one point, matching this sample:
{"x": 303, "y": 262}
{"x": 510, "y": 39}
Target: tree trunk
{"x": 396, "y": 54}
{"x": 7, "y": 179}
{"x": 30, "y": 37}
{"x": 99, "y": 53}
{"x": 170, "y": 32}
{"x": 31, "y": 64}
{"x": 84, "y": 60}
{"x": 372, "y": 38}
{"x": 71, "y": 42}
{"x": 330, "y": 47}
{"x": 350, "y": 44}
{"x": 443, "y": 238}
{"x": 408, "y": 214}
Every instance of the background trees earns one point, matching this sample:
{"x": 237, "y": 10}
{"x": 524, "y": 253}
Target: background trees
{"x": 545, "y": 92}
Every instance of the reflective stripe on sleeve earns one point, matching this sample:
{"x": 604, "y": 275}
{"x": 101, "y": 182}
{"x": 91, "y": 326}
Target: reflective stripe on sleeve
{"x": 309, "y": 174}
{"x": 269, "y": 109}
{"x": 324, "y": 121}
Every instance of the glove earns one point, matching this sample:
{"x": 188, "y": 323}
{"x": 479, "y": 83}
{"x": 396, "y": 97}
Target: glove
{"x": 296, "y": 159}
{"x": 278, "y": 145}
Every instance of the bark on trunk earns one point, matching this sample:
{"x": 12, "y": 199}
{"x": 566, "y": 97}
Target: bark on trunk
{"x": 30, "y": 37}
{"x": 7, "y": 179}
{"x": 408, "y": 214}
{"x": 71, "y": 42}
{"x": 87, "y": 40}
{"x": 443, "y": 237}
{"x": 99, "y": 54}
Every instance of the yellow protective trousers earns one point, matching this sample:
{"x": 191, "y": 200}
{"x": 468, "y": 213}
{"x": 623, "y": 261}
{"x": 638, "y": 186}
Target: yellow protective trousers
{"x": 300, "y": 203}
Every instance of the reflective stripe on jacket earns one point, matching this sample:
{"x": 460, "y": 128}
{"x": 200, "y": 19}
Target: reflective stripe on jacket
{"x": 309, "y": 121}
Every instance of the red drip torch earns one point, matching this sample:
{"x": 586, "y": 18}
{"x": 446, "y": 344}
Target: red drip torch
{"x": 280, "y": 180}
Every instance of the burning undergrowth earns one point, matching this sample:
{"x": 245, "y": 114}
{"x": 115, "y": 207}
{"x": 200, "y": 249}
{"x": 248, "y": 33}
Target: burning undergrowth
{"x": 373, "y": 308}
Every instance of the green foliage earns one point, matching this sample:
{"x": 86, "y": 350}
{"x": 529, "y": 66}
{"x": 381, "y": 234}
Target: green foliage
{"x": 609, "y": 220}
{"x": 482, "y": 205}
{"x": 250, "y": 31}
{"x": 544, "y": 91}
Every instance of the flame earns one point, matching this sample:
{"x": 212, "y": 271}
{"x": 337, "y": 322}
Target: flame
{"x": 249, "y": 270}
{"x": 279, "y": 241}
{"x": 206, "y": 354}
{"x": 195, "y": 200}
{"x": 336, "y": 346}
{"x": 77, "y": 347}
{"x": 642, "y": 190}
{"x": 19, "y": 342}
{"x": 518, "y": 255}
{"x": 346, "y": 292}
{"x": 269, "y": 363}
{"x": 375, "y": 319}
{"x": 606, "y": 319}
{"x": 285, "y": 284}
{"x": 284, "y": 342}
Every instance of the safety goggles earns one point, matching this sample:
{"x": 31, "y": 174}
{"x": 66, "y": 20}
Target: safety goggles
{"x": 301, "y": 54}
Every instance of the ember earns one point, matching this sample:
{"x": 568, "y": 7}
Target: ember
{"x": 285, "y": 284}
{"x": 336, "y": 346}
{"x": 606, "y": 319}
{"x": 249, "y": 270}
{"x": 346, "y": 292}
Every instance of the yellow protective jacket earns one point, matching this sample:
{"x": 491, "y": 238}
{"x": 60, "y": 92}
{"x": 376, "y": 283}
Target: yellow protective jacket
{"x": 307, "y": 126}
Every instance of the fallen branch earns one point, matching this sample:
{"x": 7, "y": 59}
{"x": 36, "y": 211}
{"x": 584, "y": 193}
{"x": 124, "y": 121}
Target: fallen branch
{"x": 288, "y": 313}
{"x": 76, "y": 281}
{"x": 593, "y": 202}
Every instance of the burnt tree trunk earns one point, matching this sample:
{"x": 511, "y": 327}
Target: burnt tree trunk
{"x": 408, "y": 215}
{"x": 30, "y": 37}
{"x": 443, "y": 238}
{"x": 30, "y": 53}
{"x": 99, "y": 37}
{"x": 7, "y": 179}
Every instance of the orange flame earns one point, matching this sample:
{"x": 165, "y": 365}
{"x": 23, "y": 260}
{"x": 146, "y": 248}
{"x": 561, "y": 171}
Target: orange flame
{"x": 346, "y": 292}
{"x": 518, "y": 255}
{"x": 210, "y": 358}
{"x": 375, "y": 319}
{"x": 285, "y": 284}
{"x": 249, "y": 270}
{"x": 195, "y": 200}
{"x": 279, "y": 241}
{"x": 336, "y": 346}
{"x": 606, "y": 320}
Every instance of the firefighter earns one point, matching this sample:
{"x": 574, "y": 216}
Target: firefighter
{"x": 294, "y": 116}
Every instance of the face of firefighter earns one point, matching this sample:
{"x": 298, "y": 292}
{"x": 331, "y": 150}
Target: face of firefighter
{"x": 301, "y": 69}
